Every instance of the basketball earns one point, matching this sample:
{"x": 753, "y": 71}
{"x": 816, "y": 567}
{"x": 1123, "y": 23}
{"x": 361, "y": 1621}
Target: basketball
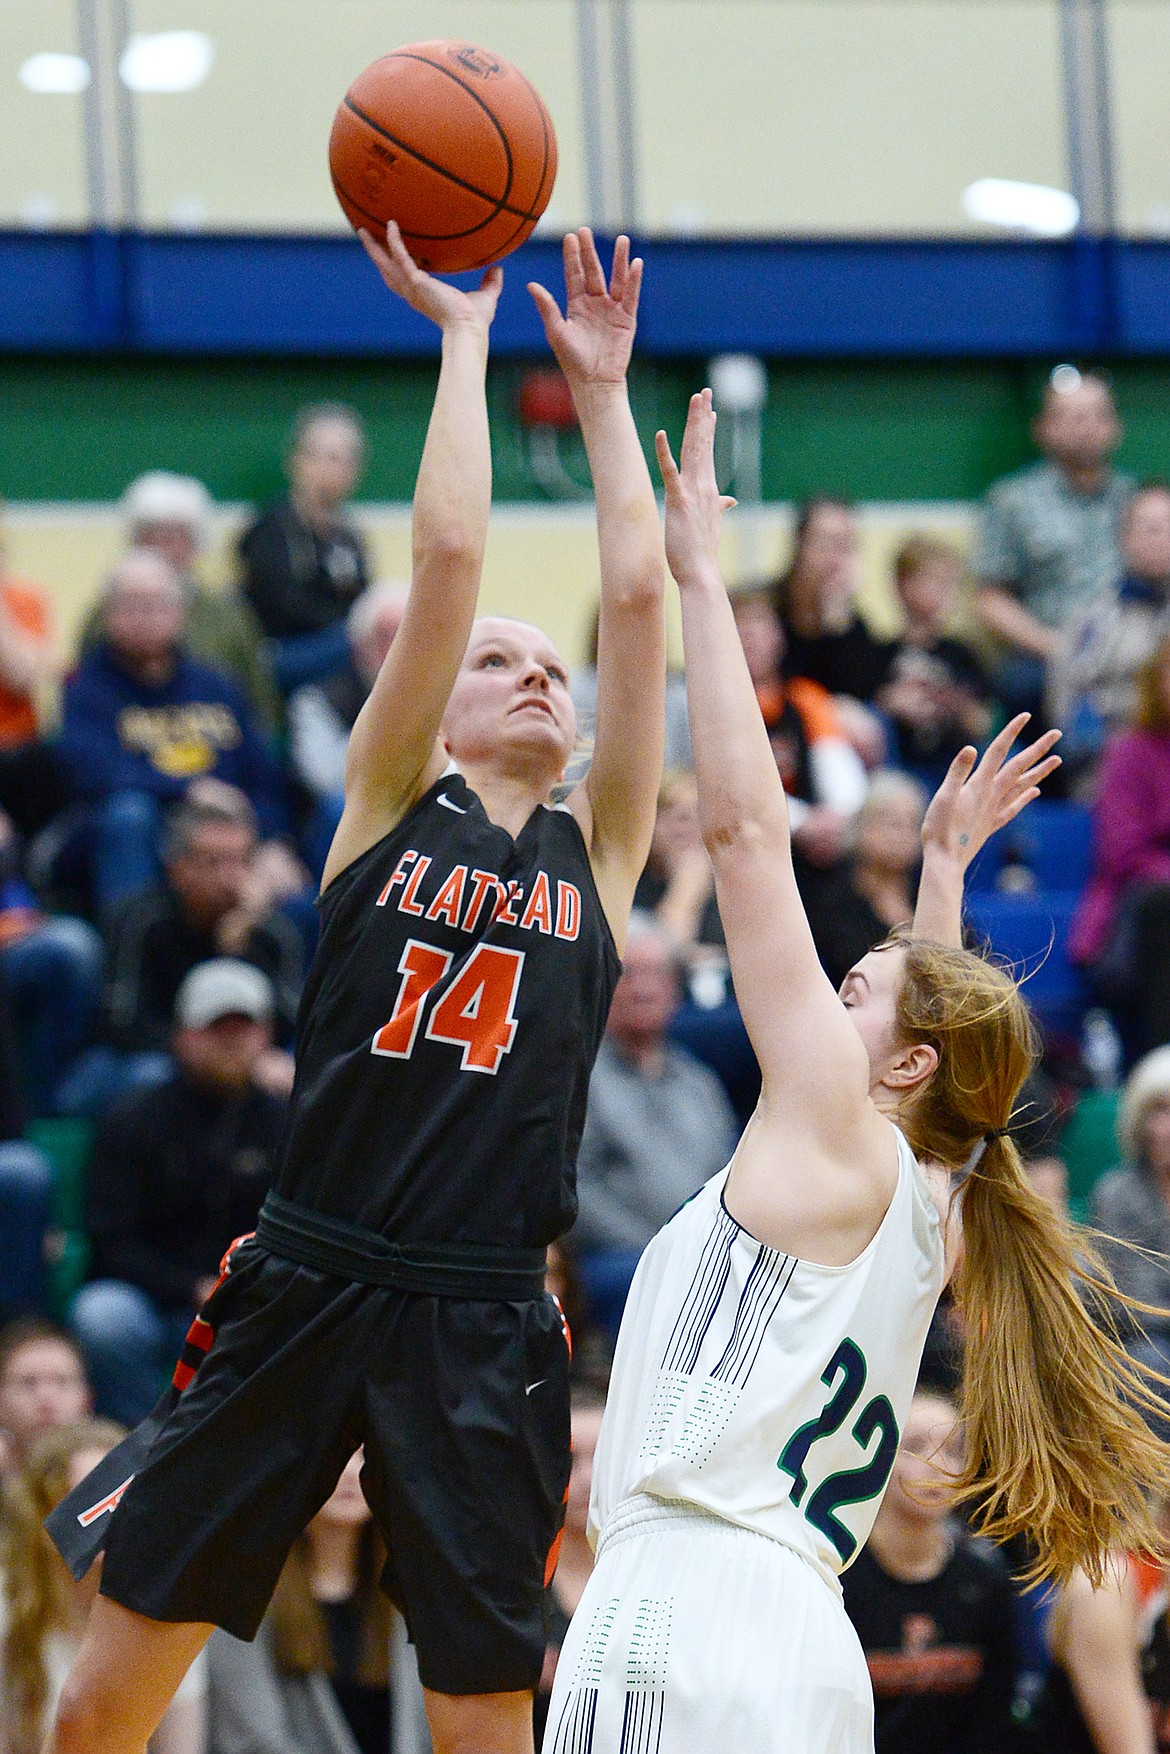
{"x": 454, "y": 144}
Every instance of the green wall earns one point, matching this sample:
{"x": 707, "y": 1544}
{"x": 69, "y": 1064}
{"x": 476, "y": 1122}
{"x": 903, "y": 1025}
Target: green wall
{"x": 79, "y": 429}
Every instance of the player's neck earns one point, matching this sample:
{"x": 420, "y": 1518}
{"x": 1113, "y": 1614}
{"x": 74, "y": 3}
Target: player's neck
{"x": 910, "y": 1550}
{"x": 508, "y": 798}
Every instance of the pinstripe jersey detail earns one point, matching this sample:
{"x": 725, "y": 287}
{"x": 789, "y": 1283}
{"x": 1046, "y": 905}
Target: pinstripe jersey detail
{"x": 766, "y": 1284}
{"x": 574, "y": 1730}
{"x": 703, "y": 1297}
{"x": 646, "y": 1676}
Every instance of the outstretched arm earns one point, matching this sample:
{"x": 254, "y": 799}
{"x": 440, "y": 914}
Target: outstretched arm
{"x": 393, "y": 750}
{"x": 592, "y": 343}
{"x": 974, "y": 800}
{"x": 811, "y": 1057}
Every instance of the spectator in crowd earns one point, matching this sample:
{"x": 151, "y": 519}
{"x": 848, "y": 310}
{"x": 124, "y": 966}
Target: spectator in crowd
{"x": 583, "y": 688}
{"x": 177, "y": 1172}
{"x": 321, "y": 715}
{"x": 853, "y": 906}
{"x": 932, "y": 1605}
{"x": 43, "y": 1612}
{"x": 316, "y": 1679}
{"x": 1092, "y": 1701}
{"x": 216, "y": 899}
{"x": 142, "y": 720}
{"x": 1049, "y": 536}
{"x": 827, "y": 640}
{"x": 304, "y": 560}
{"x": 52, "y": 966}
{"x": 821, "y": 770}
{"x": 1121, "y": 931}
{"x": 575, "y": 1555}
{"x": 43, "y": 1384}
{"x": 936, "y": 696}
{"x": 26, "y": 1186}
{"x": 30, "y": 787}
{"x": 678, "y": 884}
{"x": 219, "y": 897}
{"x": 1092, "y": 690}
{"x": 658, "y": 1124}
{"x": 1132, "y": 1204}
{"x": 171, "y": 514}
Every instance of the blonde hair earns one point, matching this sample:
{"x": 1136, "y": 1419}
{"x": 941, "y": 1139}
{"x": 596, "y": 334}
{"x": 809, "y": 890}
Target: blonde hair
{"x": 300, "y": 1632}
{"x": 1147, "y": 1084}
{"x": 1057, "y": 1448}
{"x": 35, "y": 1578}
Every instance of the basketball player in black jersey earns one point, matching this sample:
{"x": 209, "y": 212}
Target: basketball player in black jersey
{"x": 393, "y": 1293}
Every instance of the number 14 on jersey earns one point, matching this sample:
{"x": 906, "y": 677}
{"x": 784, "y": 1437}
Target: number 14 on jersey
{"x": 477, "y": 1012}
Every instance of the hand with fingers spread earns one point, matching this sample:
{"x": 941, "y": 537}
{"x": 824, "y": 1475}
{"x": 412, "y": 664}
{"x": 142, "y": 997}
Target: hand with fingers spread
{"x": 694, "y": 504}
{"x": 445, "y": 305}
{"x": 594, "y": 338}
{"x": 981, "y": 795}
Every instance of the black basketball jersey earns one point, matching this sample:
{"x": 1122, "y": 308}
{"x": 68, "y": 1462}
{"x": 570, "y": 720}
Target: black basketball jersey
{"x": 448, "y": 1028}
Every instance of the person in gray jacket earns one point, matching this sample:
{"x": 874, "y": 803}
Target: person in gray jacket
{"x": 658, "y": 1124}
{"x": 1132, "y": 1204}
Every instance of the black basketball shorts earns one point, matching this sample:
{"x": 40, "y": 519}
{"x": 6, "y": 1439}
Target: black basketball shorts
{"x": 463, "y": 1408}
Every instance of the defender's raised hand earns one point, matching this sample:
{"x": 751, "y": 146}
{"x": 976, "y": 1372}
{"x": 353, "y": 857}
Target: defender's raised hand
{"x": 694, "y": 504}
{"x": 445, "y": 305}
{"x": 594, "y": 338}
{"x": 979, "y": 796}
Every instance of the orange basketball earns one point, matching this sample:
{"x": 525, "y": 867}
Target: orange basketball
{"x": 453, "y": 143}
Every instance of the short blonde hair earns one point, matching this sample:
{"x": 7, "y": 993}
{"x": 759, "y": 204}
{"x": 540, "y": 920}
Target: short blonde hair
{"x": 1148, "y": 1083}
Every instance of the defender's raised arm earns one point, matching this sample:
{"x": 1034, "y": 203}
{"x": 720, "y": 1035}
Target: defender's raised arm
{"x": 592, "y": 343}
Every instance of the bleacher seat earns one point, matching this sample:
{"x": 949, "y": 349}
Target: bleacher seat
{"x": 1031, "y": 932}
{"x": 68, "y": 1144}
{"x": 1089, "y": 1145}
{"x": 1055, "y": 841}
{"x": 1052, "y": 840}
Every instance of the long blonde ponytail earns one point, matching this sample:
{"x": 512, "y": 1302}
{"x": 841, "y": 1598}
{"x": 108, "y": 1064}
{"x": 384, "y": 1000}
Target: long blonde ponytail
{"x": 1057, "y": 1448}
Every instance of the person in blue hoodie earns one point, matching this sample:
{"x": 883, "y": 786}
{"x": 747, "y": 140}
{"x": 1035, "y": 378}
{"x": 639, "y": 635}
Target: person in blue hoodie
{"x": 141, "y": 720}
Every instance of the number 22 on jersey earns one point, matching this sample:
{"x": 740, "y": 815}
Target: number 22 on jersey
{"x": 476, "y": 1013}
{"x": 849, "y": 1485}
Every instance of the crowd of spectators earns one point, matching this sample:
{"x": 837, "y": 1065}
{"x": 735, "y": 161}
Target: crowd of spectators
{"x": 160, "y": 846}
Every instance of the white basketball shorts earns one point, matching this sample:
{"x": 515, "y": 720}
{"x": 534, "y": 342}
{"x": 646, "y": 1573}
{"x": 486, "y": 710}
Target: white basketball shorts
{"x": 698, "y": 1637}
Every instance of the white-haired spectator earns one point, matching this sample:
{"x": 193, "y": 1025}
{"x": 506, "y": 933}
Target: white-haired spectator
{"x": 303, "y": 559}
{"x": 657, "y": 1126}
{"x": 854, "y": 905}
{"x": 1132, "y": 1204}
{"x": 174, "y": 516}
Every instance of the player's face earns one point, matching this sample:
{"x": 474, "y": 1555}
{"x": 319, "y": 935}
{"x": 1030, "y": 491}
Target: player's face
{"x": 869, "y": 993}
{"x": 929, "y": 1457}
{"x": 511, "y": 701}
{"x": 43, "y": 1387}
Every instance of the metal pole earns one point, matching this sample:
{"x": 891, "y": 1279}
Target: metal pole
{"x": 101, "y": 153}
{"x": 125, "y": 132}
{"x": 625, "y": 103}
{"x": 589, "y": 75}
{"x": 1088, "y": 113}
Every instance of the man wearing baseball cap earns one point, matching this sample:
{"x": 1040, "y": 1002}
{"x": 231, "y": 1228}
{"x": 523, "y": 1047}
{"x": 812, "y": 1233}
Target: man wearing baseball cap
{"x": 178, "y": 1171}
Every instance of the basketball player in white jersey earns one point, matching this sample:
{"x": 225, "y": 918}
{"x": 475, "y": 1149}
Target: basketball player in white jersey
{"x": 773, "y": 1333}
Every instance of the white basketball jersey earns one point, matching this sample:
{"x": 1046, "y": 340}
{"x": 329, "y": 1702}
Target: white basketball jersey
{"x": 765, "y": 1389}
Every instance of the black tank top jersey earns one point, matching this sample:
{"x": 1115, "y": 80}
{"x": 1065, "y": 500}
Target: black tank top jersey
{"x": 448, "y": 1028}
